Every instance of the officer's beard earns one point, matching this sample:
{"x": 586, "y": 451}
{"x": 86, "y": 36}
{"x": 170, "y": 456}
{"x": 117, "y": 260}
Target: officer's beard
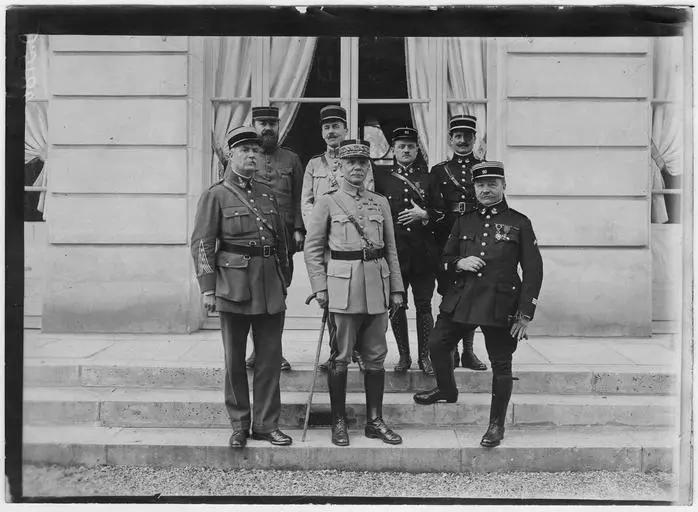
{"x": 269, "y": 140}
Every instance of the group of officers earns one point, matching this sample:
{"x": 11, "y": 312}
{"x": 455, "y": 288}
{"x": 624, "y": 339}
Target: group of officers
{"x": 367, "y": 234}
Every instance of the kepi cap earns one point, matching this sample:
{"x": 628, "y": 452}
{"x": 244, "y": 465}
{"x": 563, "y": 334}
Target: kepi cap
{"x": 259, "y": 113}
{"x": 490, "y": 169}
{"x": 354, "y": 148}
{"x": 404, "y": 133}
{"x": 462, "y": 122}
{"x": 332, "y": 113}
{"x": 241, "y": 134}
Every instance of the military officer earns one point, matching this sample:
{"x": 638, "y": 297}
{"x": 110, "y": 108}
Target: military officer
{"x": 416, "y": 209}
{"x": 482, "y": 255}
{"x": 245, "y": 279}
{"x": 358, "y": 285}
{"x": 280, "y": 169}
{"x": 322, "y": 174}
{"x": 455, "y": 185}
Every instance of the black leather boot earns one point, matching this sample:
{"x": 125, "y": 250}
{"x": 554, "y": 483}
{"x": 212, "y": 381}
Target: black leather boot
{"x": 374, "y": 382}
{"x": 501, "y": 393}
{"x": 337, "y": 383}
{"x": 470, "y": 360}
{"x": 425, "y": 323}
{"x": 446, "y": 389}
{"x": 399, "y": 325}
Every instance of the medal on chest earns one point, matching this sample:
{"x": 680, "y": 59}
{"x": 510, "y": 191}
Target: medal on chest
{"x": 502, "y": 232}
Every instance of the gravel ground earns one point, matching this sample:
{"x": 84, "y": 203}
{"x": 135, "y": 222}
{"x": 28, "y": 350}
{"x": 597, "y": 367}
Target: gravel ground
{"x": 147, "y": 481}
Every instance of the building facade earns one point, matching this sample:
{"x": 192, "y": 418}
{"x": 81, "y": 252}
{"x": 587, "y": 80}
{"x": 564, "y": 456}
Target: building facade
{"x": 133, "y": 122}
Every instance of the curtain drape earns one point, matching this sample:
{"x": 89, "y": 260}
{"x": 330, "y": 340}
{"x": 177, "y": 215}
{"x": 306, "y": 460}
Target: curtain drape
{"x": 36, "y": 110}
{"x": 667, "y": 118}
{"x": 466, "y": 78}
{"x": 417, "y": 67}
{"x": 233, "y": 58}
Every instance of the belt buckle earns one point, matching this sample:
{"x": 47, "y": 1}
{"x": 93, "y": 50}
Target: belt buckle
{"x": 365, "y": 253}
{"x": 266, "y": 251}
{"x": 461, "y": 207}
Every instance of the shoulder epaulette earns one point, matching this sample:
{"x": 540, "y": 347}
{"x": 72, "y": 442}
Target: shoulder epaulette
{"x": 517, "y": 212}
{"x": 319, "y": 155}
{"x": 288, "y": 149}
{"x": 376, "y": 193}
{"x": 215, "y": 184}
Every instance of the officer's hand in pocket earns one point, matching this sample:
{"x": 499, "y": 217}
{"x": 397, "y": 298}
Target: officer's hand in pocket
{"x": 470, "y": 264}
{"x": 321, "y": 298}
{"x": 210, "y": 303}
{"x": 519, "y": 327}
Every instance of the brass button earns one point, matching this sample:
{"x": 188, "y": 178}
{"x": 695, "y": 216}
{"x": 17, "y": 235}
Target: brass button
{"x": 482, "y": 254}
{"x": 487, "y": 225}
{"x": 484, "y": 243}
{"x": 479, "y": 274}
{"x": 484, "y": 234}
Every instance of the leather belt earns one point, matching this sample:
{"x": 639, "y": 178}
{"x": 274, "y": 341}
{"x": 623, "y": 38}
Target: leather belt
{"x": 462, "y": 207}
{"x": 364, "y": 254}
{"x": 249, "y": 250}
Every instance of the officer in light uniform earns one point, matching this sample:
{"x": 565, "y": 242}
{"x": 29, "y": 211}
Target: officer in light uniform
{"x": 245, "y": 279}
{"x": 482, "y": 255}
{"x": 322, "y": 174}
{"x": 281, "y": 169}
{"x": 454, "y": 182}
{"x": 416, "y": 210}
{"x": 358, "y": 284}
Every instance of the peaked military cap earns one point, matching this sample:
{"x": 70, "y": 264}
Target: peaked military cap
{"x": 265, "y": 113}
{"x": 462, "y": 122}
{"x": 241, "y": 134}
{"x": 490, "y": 169}
{"x": 354, "y": 148}
{"x": 404, "y": 133}
{"x": 332, "y": 113}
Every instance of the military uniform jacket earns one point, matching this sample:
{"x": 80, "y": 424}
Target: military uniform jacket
{"x": 322, "y": 175}
{"x": 504, "y": 239}
{"x": 249, "y": 285}
{"x": 416, "y": 246}
{"x": 353, "y": 286}
{"x": 459, "y": 168}
{"x": 282, "y": 171}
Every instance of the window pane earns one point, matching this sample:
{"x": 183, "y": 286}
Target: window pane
{"x": 382, "y": 67}
{"x": 323, "y": 78}
{"x": 32, "y": 169}
{"x": 304, "y": 136}
{"x": 376, "y": 125}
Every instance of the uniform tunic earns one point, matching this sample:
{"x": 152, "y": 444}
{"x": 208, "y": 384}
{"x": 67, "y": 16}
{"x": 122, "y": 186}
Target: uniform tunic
{"x": 322, "y": 175}
{"x": 504, "y": 239}
{"x": 282, "y": 171}
{"x": 242, "y": 284}
{"x": 416, "y": 246}
{"x": 353, "y": 286}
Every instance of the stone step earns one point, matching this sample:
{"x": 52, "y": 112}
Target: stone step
{"x": 454, "y": 450}
{"x": 139, "y": 407}
{"x": 533, "y": 378}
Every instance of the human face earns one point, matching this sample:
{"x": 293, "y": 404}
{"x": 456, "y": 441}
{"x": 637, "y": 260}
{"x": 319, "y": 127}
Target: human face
{"x": 462, "y": 141}
{"x": 355, "y": 169}
{"x": 243, "y": 158}
{"x": 405, "y": 152}
{"x": 268, "y": 131}
{"x": 333, "y": 133}
{"x": 489, "y": 191}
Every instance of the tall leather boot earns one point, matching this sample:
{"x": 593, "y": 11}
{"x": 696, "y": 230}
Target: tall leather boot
{"x": 337, "y": 383}
{"x": 501, "y": 393}
{"x": 425, "y": 323}
{"x": 470, "y": 360}
{"x": 399, "y": 326}
{"x": 374, "y": 383}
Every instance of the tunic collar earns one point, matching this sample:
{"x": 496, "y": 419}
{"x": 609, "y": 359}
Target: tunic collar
{"x": 239, "y": 180}
{"x": 465, "y": 158}
{"x": 352, "y": 190}
{"x": 331, "y": 152}
{"x": 494, "y": 209}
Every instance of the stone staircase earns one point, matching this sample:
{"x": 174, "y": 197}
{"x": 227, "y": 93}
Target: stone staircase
{"x": 116, "y": 408}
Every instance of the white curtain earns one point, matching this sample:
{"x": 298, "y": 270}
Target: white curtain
{"x": 667, "y": 118}
{"x": 291, "y": 59}
{"x": 233, "y": 61}
{"x": 36, "y": 109}
{"x": 417, "y": 64}
{"x": 465, "y": 62}
{"x": 466, "y": 78}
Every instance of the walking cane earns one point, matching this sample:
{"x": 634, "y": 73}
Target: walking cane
{"x": 317, "y": 360}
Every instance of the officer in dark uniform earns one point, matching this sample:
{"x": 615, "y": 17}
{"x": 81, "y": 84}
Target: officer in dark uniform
{"x": 358, "y": 284}
{"x": 245, "y": 279}
{"x": 280, "y": 169}
{"x": 454, "y": 182}
{"x": 416, "y": 209}
{"x": 482, "y": 255}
